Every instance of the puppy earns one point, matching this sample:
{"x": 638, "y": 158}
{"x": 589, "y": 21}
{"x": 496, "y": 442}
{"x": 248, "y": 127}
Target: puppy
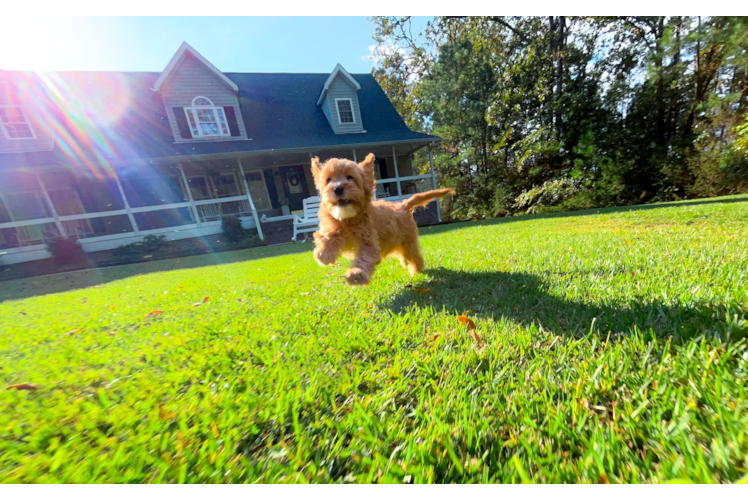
{"x": 355, "y": 226}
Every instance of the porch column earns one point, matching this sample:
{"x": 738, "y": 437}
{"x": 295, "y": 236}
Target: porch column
{"x": 354, "y": 156}
{"x": 397, "y": 174}
{"x": 130, "y": 216}
{"x": 251, "y": 203}
{"x": 56, "y": 217}
{"x": 433, "y": 183}
{"x": 189, "y": 196}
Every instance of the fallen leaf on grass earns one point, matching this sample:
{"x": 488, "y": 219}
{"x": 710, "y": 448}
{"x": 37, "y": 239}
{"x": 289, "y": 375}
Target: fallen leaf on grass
{"x": 22, "y": 387}
{"x": 197, "y": 304}
{"x": 331, "y": 272}
{"x": 240, "y": 300}
{"x": 477, "y": 338}
{"x": 423, "y": 290}
{"x": 154, "y": 313}
{"x": 112, "y": 308}
{"x": 467, "y": 321}
{"x": 205, "y": 299}
{"x": 163, "y": 413}
{"x": 73, "y": 331}
{"x": 21, "y": 312}
{"x": 627, "y": 242}
{"x": 304, "y": 293}
{"x": 602, "y": 479}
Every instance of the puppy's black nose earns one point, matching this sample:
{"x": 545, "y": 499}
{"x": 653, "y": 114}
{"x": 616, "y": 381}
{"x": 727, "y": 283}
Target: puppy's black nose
{"x": 339, "y": 190}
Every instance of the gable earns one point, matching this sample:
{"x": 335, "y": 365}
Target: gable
{"x": 340, "y": 74}
{"x": 184, "y": 51}
{"x": 340, "y": 89}
{"x": 190, "y": 79}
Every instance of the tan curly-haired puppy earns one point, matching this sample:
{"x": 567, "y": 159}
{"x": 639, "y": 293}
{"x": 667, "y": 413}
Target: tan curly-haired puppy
{"x": 352, "y": 224}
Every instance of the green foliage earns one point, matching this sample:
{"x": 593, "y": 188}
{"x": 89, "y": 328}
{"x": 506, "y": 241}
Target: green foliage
{"x": 237, "y": 235}
{"x": 550, "y": 195}
{"x": 634, "y": 109}
{"x": 612, "y": 352}
{"x": 232, "y": 229}
{"x": 150, "y": 245}
{"x": 66, "y": 251}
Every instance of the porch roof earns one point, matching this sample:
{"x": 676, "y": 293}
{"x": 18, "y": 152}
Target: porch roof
{"x": 280, "y": 112}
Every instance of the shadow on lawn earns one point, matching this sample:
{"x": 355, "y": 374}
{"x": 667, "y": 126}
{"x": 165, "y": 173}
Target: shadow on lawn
{"x": 74, "y": 280}
{"x": 528, "y": 299}
{"x": 440, "y": 228}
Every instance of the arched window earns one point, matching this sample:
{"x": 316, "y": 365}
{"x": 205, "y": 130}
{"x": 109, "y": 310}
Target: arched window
{"x": 206, "y": 120}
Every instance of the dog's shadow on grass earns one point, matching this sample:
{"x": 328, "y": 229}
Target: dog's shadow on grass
{"x": 529, "y": 299}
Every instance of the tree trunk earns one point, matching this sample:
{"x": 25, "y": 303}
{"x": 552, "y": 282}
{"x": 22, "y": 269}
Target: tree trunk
{"x": 560, "y": 46}
{"x": 660, "y": 87}
{"x": 672, "y": 112}
{"x": 551, "y": 51}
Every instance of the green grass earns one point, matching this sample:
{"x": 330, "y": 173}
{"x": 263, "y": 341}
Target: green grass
{"x": 614, "y": 351}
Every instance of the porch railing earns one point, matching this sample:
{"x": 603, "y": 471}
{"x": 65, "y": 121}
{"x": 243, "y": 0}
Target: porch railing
{"x": 208, "y": 212}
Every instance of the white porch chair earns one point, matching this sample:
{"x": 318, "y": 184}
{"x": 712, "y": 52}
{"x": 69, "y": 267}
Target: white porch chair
{"x": 309, "y": 220}
{"x": 77, "y": 228}
{"x": 29, "y": 235}
{"x": 209, "y": 212}
{"x": 381, "y": 192}
{"x": 244, "y": 209}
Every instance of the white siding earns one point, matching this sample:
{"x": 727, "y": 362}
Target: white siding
{"x": 191, "y": 79}
{"x": 341, "y": 89}
{"x": 43, "y": 140}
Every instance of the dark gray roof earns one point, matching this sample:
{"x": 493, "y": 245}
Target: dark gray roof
{"x": 280, "y": 112}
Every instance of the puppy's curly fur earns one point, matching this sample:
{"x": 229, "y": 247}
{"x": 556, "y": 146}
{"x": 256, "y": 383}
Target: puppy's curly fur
{"x": 355, "y": 226}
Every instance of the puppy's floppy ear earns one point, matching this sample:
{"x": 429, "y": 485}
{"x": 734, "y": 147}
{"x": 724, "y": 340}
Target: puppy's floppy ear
{"x": 368, "y": 168}
{"x": 316, "y": 169}
{"x": 368, "y": 164}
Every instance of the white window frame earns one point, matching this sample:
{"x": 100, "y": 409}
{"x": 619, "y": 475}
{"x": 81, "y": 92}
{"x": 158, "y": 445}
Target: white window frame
{"x": 208, "y": 185}
{"x": 38, "y": 196}
{"x": 236, "y": 183}
{"x": 218, "y": 112}
{"x": 26, "y": 121}
{"x": 337, "y": 108}
{"x": 269, "y": 205}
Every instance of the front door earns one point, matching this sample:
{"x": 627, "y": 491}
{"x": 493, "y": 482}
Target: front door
{"x": 294, "y": 183}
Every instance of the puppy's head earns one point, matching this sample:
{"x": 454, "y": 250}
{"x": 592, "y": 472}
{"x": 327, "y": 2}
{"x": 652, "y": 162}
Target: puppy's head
{"x": 345, "y": 187}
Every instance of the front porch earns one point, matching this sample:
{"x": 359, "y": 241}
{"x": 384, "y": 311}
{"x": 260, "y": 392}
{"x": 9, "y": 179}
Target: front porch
{"x": 182, "y": 199}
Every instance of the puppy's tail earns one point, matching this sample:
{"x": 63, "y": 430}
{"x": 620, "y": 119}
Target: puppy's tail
{"x": 423, "y": 199}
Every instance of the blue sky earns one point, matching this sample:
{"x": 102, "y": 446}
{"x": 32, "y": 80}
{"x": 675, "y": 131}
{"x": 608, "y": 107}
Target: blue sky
{"x": 233, "y": 44}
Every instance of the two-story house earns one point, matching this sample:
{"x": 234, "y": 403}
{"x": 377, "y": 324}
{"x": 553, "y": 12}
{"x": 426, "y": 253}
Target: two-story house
{"x": 109, "y": 157}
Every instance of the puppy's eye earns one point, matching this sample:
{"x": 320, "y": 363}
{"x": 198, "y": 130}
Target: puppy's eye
{"x": 350, "y": 178}
{"x": 328, "y": 181}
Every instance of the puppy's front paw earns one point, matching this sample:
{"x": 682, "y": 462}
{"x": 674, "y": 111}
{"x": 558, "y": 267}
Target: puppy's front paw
{"x": 325, "y": 257}
{"x": 356, "y": 276}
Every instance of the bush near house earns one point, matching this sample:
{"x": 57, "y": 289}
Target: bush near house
{"x": 66, "y": 251}
{"x": 237, "y": 235}
{"x": 150, "y": 245}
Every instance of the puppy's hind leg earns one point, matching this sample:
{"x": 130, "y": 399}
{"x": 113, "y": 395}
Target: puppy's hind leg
{"x": 412, "y": 259}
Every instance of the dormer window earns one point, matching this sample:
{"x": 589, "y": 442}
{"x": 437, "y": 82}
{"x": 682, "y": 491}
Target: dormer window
{"x": 206, "y": 120}
{"x": 15, "y": 123}
{"x": 345, "y": 110}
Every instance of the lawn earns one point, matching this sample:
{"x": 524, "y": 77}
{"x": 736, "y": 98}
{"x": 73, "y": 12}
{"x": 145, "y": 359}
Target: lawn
{"x": 608, "y": 348}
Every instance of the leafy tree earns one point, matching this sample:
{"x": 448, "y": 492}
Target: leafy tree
{"x": 563, "y": 112}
